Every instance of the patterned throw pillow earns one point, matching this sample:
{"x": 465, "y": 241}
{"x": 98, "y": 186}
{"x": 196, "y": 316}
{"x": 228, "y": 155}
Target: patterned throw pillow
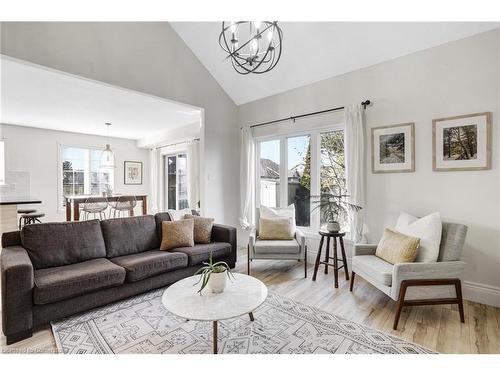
{"x": 177, "y": 234}
{"x": 397, "y": 247}
{"x": 276, "y": 229}
{"x": 202, "y": 228}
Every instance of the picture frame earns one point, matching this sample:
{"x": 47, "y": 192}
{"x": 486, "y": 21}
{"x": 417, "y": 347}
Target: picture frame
{"x": 132, "y": 173}
{"x": 393, "y": 148}
{"x": 462, "y": 143}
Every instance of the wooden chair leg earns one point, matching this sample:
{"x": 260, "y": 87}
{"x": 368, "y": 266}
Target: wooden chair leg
{"x": 318, "y": 258}
{"x": 305, "y": 262}
{"x": 401, "y": 301}
{"x": 458, "y": 289}
{"x": 352, "y": 281}
{"x": 248, "y": 259}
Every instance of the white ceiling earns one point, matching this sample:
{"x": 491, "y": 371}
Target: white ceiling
{"x": 36, "y": 96}
{"x": 313, "y": 51}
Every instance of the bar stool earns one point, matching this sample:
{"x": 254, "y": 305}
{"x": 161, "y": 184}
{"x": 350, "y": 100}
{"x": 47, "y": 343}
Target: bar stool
{"x": 23, "y": 211}
{"x": 336, "y": 267}
{"x": 32, "y": 218}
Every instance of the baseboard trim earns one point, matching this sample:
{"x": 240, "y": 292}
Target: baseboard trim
{"x": 481, "y": 293}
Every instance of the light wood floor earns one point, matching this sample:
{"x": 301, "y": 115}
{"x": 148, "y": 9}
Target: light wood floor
{"x": 435, "y": 327}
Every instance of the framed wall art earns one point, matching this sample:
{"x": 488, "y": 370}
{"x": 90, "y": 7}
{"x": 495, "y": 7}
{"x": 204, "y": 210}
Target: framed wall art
{"x": 462, "y": 143}
{"x": 393, "y": 148}
{"x": 132, "y": 173}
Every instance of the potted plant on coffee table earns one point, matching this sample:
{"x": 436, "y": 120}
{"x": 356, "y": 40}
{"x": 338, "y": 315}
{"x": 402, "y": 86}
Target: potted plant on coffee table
{"x": 213, "y": 275}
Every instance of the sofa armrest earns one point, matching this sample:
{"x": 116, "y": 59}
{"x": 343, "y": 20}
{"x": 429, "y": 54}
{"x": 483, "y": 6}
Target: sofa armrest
{"x": 301, "y": 239}
{"x": 421, "y": 271}
{"x": 11, "y": 239}
{"x": 226, "y": 233}
{"x": 364, "y": 249}
{"x": 17, "y": 290}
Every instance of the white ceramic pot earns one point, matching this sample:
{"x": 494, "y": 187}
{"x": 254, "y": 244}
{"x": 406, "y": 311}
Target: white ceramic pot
{"x": 333, "y": 226}
{"x": 217, "y": 282}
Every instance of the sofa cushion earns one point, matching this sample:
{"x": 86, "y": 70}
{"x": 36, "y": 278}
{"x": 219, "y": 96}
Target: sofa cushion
{"x": 129, "y": 235}
{"x": 201, "y": 252}
{"x": 276, "y": 247}
{"x": 150, "y": 263}
{"x": 61, "y": 244}
{"x": 374, "y": 267}
{"x": 160, "y": 217}
{"x": 59, "y": 283}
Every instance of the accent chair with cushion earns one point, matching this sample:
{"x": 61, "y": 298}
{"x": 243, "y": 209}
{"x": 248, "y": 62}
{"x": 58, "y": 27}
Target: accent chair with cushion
{"x": 417, "y": 283}
{"x": 289, "y": 249}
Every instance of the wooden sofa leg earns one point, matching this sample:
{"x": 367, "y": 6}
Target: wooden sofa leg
{"x": 458, "y": 289}
{"x": 401, "y": 301}
{"x": 352, "y": 281}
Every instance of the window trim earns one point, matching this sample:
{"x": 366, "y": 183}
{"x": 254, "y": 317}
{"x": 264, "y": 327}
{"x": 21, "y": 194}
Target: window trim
{"x": 315, "y": 142}
{"x": 60, "y": 147}
{"x": 177, "y": 179}
{"x": 2, "y": 162}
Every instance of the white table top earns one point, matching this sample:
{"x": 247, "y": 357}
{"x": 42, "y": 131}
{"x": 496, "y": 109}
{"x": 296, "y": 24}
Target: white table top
{"x": 242, "y": 295}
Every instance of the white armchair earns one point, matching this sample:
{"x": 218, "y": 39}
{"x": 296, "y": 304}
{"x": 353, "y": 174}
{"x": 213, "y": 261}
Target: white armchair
{"x": 294, "y": 249}
{"x": 414, "y": 284}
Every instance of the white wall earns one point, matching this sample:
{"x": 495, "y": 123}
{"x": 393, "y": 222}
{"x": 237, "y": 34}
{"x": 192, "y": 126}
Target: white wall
{"x": 149, "y": 57}
{"x": 456, "y": 78}
{"x": 35, "y": 151}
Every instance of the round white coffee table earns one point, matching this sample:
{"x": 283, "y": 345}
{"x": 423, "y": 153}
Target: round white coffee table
{"x": 242, "y": 295}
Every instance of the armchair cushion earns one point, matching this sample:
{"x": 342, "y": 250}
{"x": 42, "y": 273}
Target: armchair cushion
{"x": 371, "y": 265}
{"x": 277, "y": 247}
{"x": 276, "y": 229}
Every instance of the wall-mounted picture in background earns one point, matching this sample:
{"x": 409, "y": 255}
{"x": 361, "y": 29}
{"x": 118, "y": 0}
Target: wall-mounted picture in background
{"x": 393, "y": 148}
{"x": 462, "y": 143}
{"x": 132, "y": 173}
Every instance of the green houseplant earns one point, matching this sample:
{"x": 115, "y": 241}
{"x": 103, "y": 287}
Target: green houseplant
{"x": 213, "y": 275}
{"x": 334, "y": 208}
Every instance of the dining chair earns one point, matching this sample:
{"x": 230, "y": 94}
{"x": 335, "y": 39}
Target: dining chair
{"x": 124, "y": 204}
{"x": 91, "y": 207}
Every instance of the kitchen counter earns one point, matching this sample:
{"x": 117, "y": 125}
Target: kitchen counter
{"x": 8, "y": 211}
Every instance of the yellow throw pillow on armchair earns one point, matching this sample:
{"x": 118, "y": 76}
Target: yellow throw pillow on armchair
{"x": 179, "y": 233}
{"x": 276, "y": 229}
{"x": 396, "y": 247}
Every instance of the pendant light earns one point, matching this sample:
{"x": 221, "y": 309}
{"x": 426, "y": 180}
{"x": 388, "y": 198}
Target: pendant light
{"x": 107, "y": 156}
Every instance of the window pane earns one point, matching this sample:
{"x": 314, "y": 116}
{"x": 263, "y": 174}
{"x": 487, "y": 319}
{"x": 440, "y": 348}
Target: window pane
{"x": 182, "y": 179}
{"x": 171, "y": 182}
{"x": 332, "y": 173}
{"x": 270, "y": 173}
{"x": 299, "y": 178}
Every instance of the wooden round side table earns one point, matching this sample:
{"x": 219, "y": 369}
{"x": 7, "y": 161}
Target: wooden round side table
{"x": 335, "y": 236}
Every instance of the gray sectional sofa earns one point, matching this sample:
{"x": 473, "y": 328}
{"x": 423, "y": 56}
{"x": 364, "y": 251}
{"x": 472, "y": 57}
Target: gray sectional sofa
{"x": 53, "y": 270}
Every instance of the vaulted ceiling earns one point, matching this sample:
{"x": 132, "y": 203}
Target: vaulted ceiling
{"x": 313, "y": 51}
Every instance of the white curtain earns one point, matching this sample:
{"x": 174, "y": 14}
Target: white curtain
{"x": 193, "y": 170}
{"x": 154, "y": 161}
{"x": 247, "y": 179}
{"x": 355, "y": 167}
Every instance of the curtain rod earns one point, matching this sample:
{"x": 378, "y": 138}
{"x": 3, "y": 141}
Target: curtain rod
{"x": 364, "y": 104}
{"x": 175, "y": 144}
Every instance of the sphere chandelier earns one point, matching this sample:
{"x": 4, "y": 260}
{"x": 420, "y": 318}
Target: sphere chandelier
{"x": 252, "y": 46}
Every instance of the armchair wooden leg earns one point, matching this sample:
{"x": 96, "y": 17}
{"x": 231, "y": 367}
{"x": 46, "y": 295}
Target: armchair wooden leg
{"x": 401, "y": 301}
{"x": 458, "y": 289}
{"x": 305, "y": 263}
{"x": 248, "y": 259}
{"x": 352, "y": 281}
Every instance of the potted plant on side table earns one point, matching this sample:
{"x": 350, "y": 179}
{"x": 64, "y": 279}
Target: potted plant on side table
{"x": 213, "y": 275}
{"x": 334, "y": 208}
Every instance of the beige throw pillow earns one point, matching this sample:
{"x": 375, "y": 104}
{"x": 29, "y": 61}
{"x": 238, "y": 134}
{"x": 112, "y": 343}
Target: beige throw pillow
{"x": 276, "y": 229}
{"x": 396, "y": 247}
{"x": 202, "y": 228}
{"x": 177, "y": 234}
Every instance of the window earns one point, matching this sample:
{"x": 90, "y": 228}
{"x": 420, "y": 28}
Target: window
{"x": 299, "y": 178}
{"x": 270, "y": 173}
{"x": 81, "y": 173}
{"x": 176, "y": 188}
{"x": 2, "y": 162}
{"x": 300, "y": 168}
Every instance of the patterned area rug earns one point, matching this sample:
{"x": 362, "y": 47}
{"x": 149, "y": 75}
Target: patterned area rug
{"x": 142, "y": 325}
